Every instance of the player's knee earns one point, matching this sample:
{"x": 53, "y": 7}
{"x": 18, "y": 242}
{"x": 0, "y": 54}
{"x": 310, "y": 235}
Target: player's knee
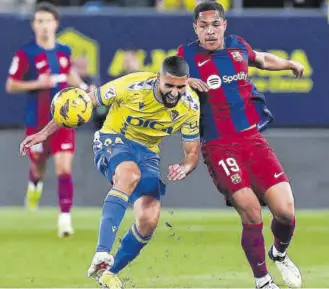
{"x": 248, "y": 206}
{"x": 251, "y": 215}
{"x": 147, "y": 223}
{"x": 285, "y": 212}
{"x": 285, "y": 216}
{"x": 63, "y": 172}
{"x": 63, "y": 163}
{"x": 38, "y": 169}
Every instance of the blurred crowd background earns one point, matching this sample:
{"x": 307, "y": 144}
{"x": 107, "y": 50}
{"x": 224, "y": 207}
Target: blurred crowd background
{"x": 167, "y": 5}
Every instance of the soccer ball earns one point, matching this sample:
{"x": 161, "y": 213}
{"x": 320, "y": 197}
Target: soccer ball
{"x": 71, "y": 107}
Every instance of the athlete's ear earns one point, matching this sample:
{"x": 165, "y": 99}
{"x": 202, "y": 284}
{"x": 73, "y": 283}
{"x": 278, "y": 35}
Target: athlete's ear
{"x": 225, "y": 24}
{"x": 194, "y": 27}
{"x": 158, "y": 75}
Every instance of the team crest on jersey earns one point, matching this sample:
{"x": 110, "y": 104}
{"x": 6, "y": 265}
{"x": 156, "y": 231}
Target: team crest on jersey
{"x": 235, "y": 179}
{"x": 145, "y": 85}
{"x": 174, "y": 114}
{"x": 110, "y": 93}
{"x": 63, "y": 62}
{"x": 237, "y": 55}
{"x": 190, "y": 101}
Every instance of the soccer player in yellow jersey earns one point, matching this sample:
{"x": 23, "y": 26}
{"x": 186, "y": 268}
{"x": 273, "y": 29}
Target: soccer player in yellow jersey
{"x": 145, "y": 108}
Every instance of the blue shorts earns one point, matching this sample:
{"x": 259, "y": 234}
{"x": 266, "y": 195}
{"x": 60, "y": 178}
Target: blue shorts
{"x": 112, "y": 149}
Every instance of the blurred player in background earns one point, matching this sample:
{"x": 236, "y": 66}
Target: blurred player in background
{"x": 145, "y": 108}
{"x": 41, "y": 68}
{"x": 239, "y": 159}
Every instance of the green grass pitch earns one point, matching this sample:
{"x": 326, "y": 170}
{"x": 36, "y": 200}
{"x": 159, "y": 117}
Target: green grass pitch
{"x": 192, "y": 248}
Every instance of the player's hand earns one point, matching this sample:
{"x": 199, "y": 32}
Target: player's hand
{"x": 297, "y": 68}
{"x": 45, "y": 81}
{"x": 91, "y": 88}
{"x": 176, "y": 172}
{"x": 30, "y": 141}
{"x": 198, "y": 84}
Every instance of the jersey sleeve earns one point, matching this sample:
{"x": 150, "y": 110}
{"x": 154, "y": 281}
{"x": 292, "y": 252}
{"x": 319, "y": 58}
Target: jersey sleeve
{"x": 180, "y": 51}
{"x": 251, "y": 52}
{"x": 111, "y": 92}
{"x": 19, "y": 65}
{"x": 190, "y": 128}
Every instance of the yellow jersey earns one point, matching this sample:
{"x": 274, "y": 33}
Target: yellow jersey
{"x": 139, "y": 116}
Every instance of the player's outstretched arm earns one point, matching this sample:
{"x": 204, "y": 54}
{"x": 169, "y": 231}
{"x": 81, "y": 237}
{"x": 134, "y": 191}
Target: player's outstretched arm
{"x": 16, "y": 86}
{"x": 269, "y": 61}
{"x": 38, "y": 137}
{"x": 180, "y": 171}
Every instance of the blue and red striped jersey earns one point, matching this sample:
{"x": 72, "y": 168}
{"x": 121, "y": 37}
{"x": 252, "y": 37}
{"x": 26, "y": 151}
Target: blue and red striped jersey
{"x": 233, "y": 102}
{"x": 29, "y": 63}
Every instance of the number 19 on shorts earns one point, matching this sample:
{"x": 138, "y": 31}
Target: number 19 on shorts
{"x": 229, "y": 166}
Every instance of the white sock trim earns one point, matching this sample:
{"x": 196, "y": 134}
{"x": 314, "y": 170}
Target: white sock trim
{"x": 263, "y": 280}
{"x": 277, "y": 253}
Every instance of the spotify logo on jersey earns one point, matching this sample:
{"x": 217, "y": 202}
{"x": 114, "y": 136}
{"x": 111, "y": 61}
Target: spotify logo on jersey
{"x": 214, "y": 81}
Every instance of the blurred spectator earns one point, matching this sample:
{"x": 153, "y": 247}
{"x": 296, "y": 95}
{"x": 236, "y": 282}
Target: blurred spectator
{"x": 17, "y": 5}
{"x": 131, "y": 64}
{"x": 186, "y": 4}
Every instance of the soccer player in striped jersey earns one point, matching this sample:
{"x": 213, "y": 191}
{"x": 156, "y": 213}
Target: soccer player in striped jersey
{"x": 41, "y": 68}
{"x": 240, "y": 161}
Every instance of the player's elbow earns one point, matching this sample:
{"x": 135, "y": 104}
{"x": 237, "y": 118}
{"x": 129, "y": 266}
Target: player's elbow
{"x": 10, "y": 87}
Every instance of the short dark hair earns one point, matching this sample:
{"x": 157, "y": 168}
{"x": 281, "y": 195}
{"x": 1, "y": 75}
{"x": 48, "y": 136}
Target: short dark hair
{"x": 176, "y": 66}
{"x": 46, "y": 7}
{"x": 208, "y": 6}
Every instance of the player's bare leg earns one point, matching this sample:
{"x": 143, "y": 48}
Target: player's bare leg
{"x": 280, "y": 201}
{"x": 63, "y": 169}
{"x": 125, "y": 180}
{"x": 147, "y": 213}
{"x": 35, "y": 185}
{"x": 247, "y": 205}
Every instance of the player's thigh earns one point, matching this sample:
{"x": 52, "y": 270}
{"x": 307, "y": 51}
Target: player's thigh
{"x": 115, "y": 158}
{"x": 147, "y": 213}
{"x": 247, "y": 205}
{"x": 61, "y": 143}
{"x": 150, "y": 183}
{"x": 126, "y": 176}
{"x": 265, "y": 169}
{"x": 280, "y": 201}
{"x": 226, "y": 168}
{"x": 228, "y": 171}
